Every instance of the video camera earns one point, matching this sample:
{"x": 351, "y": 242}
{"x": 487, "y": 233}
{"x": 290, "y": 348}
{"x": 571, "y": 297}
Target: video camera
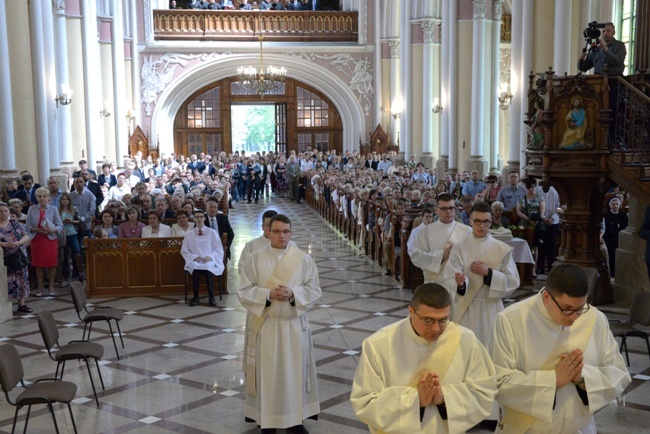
{"x": 592, "y": 35}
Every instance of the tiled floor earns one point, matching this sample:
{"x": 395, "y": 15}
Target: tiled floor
{"x": 181, "y": 369}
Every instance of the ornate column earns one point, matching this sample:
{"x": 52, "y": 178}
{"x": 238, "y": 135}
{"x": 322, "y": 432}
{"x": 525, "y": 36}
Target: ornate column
{"x": 405, "y": 81}
{"x": 528, "y": 25}
{"x": 62, "y": 78}
{"x": 92, "y": 82}
{"x": 476, "y": 159}
{"x": 396, "y": 102}
{"x": 51, "y": 87}
{"x": 517, "y": 82}
{"x": 449, "y": 138}
{"x": 428, "y": 119}
{"x": 562, "y": 34}
{"x": 135, "y": 65}
{"x": 379, "y": 113}
{"x": 497, "y": 6}
{"x": 39, "y": 78}
{"x": 119, "y": 85}
{"x": 7, "y": 144}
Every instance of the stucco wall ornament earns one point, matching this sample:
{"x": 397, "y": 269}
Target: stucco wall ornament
{"x": 505, "y": 66}
{"x": 359, "y": 72}
{"x": 479, "y": 8}
{"x": 58, "y": 5}
{"x": 157, "y": 74}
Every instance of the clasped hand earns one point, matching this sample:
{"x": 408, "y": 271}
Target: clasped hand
{"x": 569, "y": 368}
{"x": 281, "y": 293}
{"x": 430, "y": 390}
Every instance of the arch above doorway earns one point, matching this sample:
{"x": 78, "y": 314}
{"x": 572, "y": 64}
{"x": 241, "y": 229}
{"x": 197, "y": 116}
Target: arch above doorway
{"x": 177, "y": 92}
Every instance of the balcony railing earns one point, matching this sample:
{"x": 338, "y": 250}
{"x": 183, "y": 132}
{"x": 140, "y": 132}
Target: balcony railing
{"x": 193, "y": 25}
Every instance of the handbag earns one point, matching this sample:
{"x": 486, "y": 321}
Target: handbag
{"x": 16, "y": 261}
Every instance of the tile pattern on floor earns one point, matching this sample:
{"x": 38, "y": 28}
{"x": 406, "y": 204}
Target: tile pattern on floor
{"x": 181, "y": 369}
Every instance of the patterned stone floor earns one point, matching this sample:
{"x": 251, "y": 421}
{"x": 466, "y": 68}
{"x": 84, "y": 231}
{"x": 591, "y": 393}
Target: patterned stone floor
{"x": 181, "y": 369}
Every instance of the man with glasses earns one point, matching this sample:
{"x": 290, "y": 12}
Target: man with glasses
{"x": 279, "y": 284}
{"x": 480, "y": 272}
{"x": 557, "y": 362}
{"x": 424, "y": 374}
{"x": 433, "y": 243}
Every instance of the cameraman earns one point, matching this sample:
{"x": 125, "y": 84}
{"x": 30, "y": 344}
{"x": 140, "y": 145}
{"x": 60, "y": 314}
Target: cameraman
{"x": 611, "y": 53}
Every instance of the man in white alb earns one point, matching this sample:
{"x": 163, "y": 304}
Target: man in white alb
{"x": 279, "y": 284}
{"x": 557, "y": 362}
{"x": 434, "y": 242}
{"x": 423, "y": 374}
{"x": 480, "y": 273}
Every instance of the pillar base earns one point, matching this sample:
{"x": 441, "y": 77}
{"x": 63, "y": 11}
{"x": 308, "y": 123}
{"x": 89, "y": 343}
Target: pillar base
{"x": 6, "y": 311}
{"x": 442, "y": 166}
{"x": 512, "y": 165}
{"x": 429, "y": 160}
{"x": 399, "y": 160}
{"x": 477, "y": 162}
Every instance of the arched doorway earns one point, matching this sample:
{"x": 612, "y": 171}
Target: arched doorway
{"x": 304, "y": 117}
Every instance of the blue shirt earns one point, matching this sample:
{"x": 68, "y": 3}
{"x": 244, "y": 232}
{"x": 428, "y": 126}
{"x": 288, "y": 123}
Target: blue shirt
{"x": 510, "y": 196}
{"x": 471, "y": 188}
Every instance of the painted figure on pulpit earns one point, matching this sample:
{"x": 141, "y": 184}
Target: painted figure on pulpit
{"x": 534, "y": 130}
{"x": 576, "y": 124}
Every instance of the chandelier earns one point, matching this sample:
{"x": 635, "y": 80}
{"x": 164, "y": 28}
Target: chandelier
{"x": 262, "y": 82}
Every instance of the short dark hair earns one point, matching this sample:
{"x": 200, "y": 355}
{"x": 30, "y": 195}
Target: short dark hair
{"x": 180, "y": 212}
{"x": 431, "y": 295}
{"x": 481, "y": 206}
{"x": 445, "y": 197}
{"x": 530, "y": 182}
{"x": 268, "y": 214}
{"x": 82, "y": 162}
{"x": 27, "y": 177}
{"x": 153, "y": 212}
{"x": 427, "y": 210}
{"x": 279, "y": 218}
{"x": 569, "y": 279}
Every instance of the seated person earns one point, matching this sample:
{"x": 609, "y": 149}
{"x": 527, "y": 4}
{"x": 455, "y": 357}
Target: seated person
{"x": 182, "y": 225}
{"x": 498, "y": 219}
{"x": 107, "y": 222}
{"x": 245, "y": 6}
{"x": 155, "y": 229}
{"x": 132, "y": 227}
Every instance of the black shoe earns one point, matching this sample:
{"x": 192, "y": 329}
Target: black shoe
{"x": 387, "y": 273}
{"x": 213, "y": 301}
{"x": 490, "y": 425}
{"x": 194, "y": 301}
{"x": 298, "y": 429}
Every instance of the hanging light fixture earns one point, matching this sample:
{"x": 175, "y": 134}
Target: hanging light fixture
{"x": 262, "y": 82}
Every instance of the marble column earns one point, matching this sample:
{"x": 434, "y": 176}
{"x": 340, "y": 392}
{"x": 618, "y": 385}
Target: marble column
{"x": 428, "y": 28}
{"x": 119, "y": 84}
{"x": 135, "y": 68}
{"x": 7, "y": 144}
{"x": 92, "y": 83}
{"x": 497, "y": 6}
{"x": 442, "y": 165}
{"x": 449, "y": 102}
{"x": 62, "y": 78}
{"x": 527, "y": 32}
{"x": 39, "y": 78}
{"x": 517, "y": 83}
{"x": 405, "y": 81}
{"x": 51, "y": 87}
{"x": 561, "y": 34}
{"x": 396, "y": 103}
{"x": 379, "y": 109}
{"x": 477, "y": 159}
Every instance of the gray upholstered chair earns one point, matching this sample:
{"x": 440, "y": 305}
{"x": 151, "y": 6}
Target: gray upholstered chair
{"x": 100, "y": 313}
{"x": 44, "y": 391}
{"x": 74, "y": 350}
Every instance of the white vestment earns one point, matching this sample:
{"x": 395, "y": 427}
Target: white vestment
{"x": 253, "y": 245}
{"x": 487, "y": 303}
{"x": 382, "y": 399}
{"x": 429, "y": 246}
{"x": 287, "y": 388}
{"x": 524, "y": 337}
{"x": 413, "y": 236}
{"x": 208, "y": 244}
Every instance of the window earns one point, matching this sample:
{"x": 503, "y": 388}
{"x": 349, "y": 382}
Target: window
{"x": 312, "y": 110}
{"x": 203, "y": 112}
{"x": 244, "y": 88}
{"x": 626, "y": 31}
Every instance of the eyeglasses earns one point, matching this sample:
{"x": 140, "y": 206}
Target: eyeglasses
{"x": 430, "y": 321}
{"x": 478, "y": 222}
{"x": 278, "y": 231}
{"x": 447, "y": 208}
{"x": 568, "y": 312}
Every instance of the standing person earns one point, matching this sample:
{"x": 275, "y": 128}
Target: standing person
{"x": 644, "y": 232}
{"x": 551, "y": 220}
{"x": 282, "y": 182}
{"x": 258, "y": 243}
{"x": 433, "y": 244}
{"x": 424, "y": 374}
{"x": 615, "y": 222}
{"x": 556, "y": 360}
{"x": 510, "y": 195}
{"x": 70, "y": 221}
{"x": 13, "y": 238}
{"x": 480, "y": 272}
{"x": 611, "y": 52}
{"x": 279, "y": 284}
{"x": 203, "y": 254}
{"x": 293, "y": 173}
{"x": 43, "y": 225}
{"x": 530, "y": 209}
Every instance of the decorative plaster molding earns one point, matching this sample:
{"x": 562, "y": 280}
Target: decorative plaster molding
{"x": 505, "y": 63}
{"x": 156, "y": 75}
{"x": 99, "y": 29}
{"x": 363, "y": 36}
{"x": 58, "y": 5}
{"x": 148, "y": 16}
{"x": 394, "y": 48}
{"x": 359, "y": 73}
{"x": 497, "y": 10}
{"x": 428, "y": 28}
{"x": 479, "y": 8}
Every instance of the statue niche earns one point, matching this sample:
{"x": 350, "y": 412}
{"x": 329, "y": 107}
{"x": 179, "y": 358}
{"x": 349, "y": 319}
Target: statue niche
{"x": 138, "y": 143}
{"x": 579, "y": 119}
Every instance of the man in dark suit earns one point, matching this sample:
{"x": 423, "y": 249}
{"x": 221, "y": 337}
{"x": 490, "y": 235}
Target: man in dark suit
{"x": 195, "y": 164}
{"x": 93, "y": 186}
{"x": 28, "y": 192}
{"x": 277, "y": 6}
{"x": 294, "y": 5}
{"x": 83, "y": 164}
{"x": 219, "y": 222}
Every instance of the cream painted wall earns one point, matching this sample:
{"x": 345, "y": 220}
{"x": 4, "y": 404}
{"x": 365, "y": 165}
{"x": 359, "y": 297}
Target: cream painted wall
{"x": 128, "y": 83}
{"x": 385, "y": 103}
{"x": 543, "y": 36}
{"x": 77, "y": 108}
{"x": 108, "y": 151}
{"x": 416, "y": 100}
{"x": 20, "y": 65}
{"x": 463, "y": 107}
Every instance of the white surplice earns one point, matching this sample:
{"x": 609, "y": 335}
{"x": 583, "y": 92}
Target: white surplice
{"x": 287, "y": 389}
{"x": 382, "y": 399}
{"x": 253, "y": 245}
{"x": 524, "y": 337}
{"x": 208, "y": 244}
{"x": 481, "y": 313}
{"x": 429, "y": 246}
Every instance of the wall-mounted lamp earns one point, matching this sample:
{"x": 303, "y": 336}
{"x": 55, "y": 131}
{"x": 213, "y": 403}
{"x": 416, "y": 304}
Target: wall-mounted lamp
{"x": 396, "y": 115}
{"x": 436, "y": 107}
{"x": 65, "y": 98}
{"x": 130, "y": 116}
{"x": 104, "y": 113}
{"x": 504, "y": 97}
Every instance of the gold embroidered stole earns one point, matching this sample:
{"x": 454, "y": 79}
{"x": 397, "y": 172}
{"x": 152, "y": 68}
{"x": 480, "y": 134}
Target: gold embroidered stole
{"x": 439, "y": 359}
{"x": 456, "y": 236}
{"x": 281, "y": 275}
{"x": 492, "y": 258}
{"x": 515, "y": 422}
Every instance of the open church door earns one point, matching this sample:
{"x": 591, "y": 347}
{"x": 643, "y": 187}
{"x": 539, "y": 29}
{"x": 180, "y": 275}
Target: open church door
{"x": 281, "y": 128}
